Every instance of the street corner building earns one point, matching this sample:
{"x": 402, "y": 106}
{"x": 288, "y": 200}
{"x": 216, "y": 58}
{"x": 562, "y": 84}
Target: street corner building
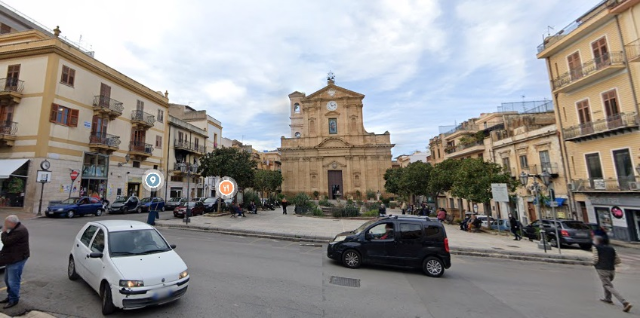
{"x": 329, "y": 150}
{"x": 57, "y": 102}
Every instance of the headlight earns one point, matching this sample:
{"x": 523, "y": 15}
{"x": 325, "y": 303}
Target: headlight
{"x": 183, "y": 275}
{"x": 339, "y": 238}
{"x": 60, "y": 210}
{"x": 131, "y": 283}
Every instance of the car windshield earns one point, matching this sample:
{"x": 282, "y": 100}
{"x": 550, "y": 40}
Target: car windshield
{"x": 209, "y": 200}
{"x": 191, "y": 204}
{"x": 138, "y": 242}
{"x": 576, "y": 226}
{"x": 120, "y": 200}
{"x": 363, "y": 226}
{"x": 71, "y": 201}
{"x": 175, "y": 199}
{"x": 145, "y": 200}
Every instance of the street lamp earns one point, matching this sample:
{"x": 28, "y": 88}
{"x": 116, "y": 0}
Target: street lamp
{"x": 638, "y": 169}
{"x": 545, "y": 177}
{"x": 187, "y": 166}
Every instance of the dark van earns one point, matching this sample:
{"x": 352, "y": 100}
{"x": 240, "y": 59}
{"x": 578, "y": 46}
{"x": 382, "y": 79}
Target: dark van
{"x": 401, "y": 241}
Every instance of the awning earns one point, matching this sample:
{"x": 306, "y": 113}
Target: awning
{"x": 560, "y": 201}
{"x": 9, "y": 166}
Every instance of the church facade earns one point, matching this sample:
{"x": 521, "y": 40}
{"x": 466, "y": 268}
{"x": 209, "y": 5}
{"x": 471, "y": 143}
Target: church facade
{"x": 329, "y": 150}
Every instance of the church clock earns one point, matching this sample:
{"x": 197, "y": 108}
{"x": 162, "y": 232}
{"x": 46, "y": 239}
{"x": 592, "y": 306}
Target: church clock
{"x": 332, "y": 105}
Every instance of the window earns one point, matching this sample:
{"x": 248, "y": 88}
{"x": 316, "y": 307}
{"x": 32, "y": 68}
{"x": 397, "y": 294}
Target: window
{"x": 196, "y": 142}
{"x": 97, "y": 245}
{"x": 140, "y": 105}
{"x": 64, "y": 116}
{"x": 13, "y": 76}
{"x": 215, "y": 140}
{"x": 600, "y": 52}
{"x": 4, "y": 29}
{"x": 155, "y": 167}
{"x": 524, "y": 164}
{"x": 68, "y": 76}
{"x": 575, "y": 66}
{"x": 383, "y": 231}
{"x": 159, "y": 142}
{"x": 136, "y": 164}
{"x": 296, "y": 108}
{"x": 181, "y": 136}
{"x": 624, "y": 168}
{"x": 94, "y": 166}
{"x": 160, "y": 115}
{"x": 88, "y": 235}
{"x": 431, "y": 231}
{"x": 545, "y": 161}
{"x": 593, "y": 166}
{"x": 584, "y": 114}
{"x": 333, "y": 126}
{"x": 176, "y": 178}
{"x": 611, "y": 109}
{"x": 298, "y": 135}
{"x": 410, "y": 231}
{"x": 506, "y": 164}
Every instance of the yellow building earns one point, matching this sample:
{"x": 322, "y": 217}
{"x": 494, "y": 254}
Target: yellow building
{"x": 59, "y": 103}
{"x": 329, "y": 150}
{"x": 270, "y": 160}
{"x": 593, "y": 67}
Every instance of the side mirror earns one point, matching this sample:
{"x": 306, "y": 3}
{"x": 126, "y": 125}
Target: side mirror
{"x": 173, "y": 246}
{"x": 95, "y": 255}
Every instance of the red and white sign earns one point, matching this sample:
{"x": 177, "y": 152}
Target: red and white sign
{"x": 74, "y": 175}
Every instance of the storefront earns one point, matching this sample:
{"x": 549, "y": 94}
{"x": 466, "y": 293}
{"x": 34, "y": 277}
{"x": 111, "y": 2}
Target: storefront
{"x": 95, "y": 172}
{"x": 13, "y": 181}
{"x": 619, "y": 215}
{"x": 133, "y": 186}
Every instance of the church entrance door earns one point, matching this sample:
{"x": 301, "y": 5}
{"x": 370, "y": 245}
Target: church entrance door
{"x": 335, "y": 184}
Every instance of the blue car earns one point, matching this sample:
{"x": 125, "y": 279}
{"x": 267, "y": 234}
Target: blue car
{"x": 502, "y": 223}
{"x": 151, "y": 203}
{"x": 75, "y": 206}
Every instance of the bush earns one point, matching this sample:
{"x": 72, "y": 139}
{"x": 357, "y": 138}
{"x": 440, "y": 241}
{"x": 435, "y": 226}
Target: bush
{"x": 386, "y": 201}
{"x": 325, "y": 202}
{"x": 359, "y": 203}
{"x": 316, "y": 194}
{"x": 316, "y": 211}
{"x": 248, "y": 197}
{"x": 303, "y": 203}
{"x": 348, "y": 211}
{"x": 371, "y": 206}
{"x": 371, "y": 213}
{"x": 392, "y": 205}
{"x": 371, "y": 194}
{"x": 350, "y": 202}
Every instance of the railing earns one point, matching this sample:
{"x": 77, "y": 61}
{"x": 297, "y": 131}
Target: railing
{"x": 588, "y": 68}
{"x": 11, "y": 85}
{"x": 104, "y": 139}
{"x": 502, "y": 134}
{"x": 633, "y": 49}
{"x": 593, "y": 12}
{"x": 178, "y": 167}
{"x": 139, "y": 115}
{"x": 186, "y": 125}
{"x": 188, "y": 146}
{"x": 139, "y": 146}
{"x": 620, "y": 120}
{"x": 550, "y": 167}
{"x": 630, "y": 183}
{"x": 8, "y": 128}
{"x": 108, "y": 103}
{"x": 451, "y": 150}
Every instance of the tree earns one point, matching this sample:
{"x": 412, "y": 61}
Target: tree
{"x": 229, "y": 162}
{"x": 415, "y": 178}
{"x": 442, "y": 177}
{"x": 267, "y": 181}
{"x": 474, "y": 178}
{"x": 392, "y": 178}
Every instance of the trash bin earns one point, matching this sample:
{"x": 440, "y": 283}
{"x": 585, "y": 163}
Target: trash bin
{"x": 153, "y": 215}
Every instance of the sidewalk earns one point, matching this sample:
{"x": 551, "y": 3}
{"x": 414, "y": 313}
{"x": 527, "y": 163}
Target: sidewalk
{"x": 273, "y": 224}
{"x": 31, "y": 314}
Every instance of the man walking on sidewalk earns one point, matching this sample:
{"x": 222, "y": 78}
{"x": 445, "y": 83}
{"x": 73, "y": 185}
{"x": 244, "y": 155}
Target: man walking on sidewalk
{"x": 605, "y": 260}
{"x": 515, "y": 227}
{"x": 284, "y": 205}
{"x": 14, "y": 255}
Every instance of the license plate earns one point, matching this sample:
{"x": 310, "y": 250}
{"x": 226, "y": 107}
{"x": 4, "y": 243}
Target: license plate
{"x": 581, "y": 235}
{"x": 161, "y": 294}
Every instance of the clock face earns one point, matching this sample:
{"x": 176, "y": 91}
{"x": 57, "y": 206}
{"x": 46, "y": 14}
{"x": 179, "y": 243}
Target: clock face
{"x": 45, "y": 165}
{"x": 332, "y": 105}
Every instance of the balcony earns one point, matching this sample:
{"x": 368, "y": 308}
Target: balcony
{"x": 178, "y": 169}
{"x": 142, "y": 120}
{"x": 188, "y": 146}
{"x": 550, "y": 167}
{"x": 100, "y": 142}
{"x": 11, "y": 91}
{"x": 464, "y": 149}
{"x": 8, "y": 131}
{"x": 589, "y": 72}
{"x": 107, "y": 106}
{"x": 140, "y": 149}
{"x": 619, "y": 6}
{"x": 613, "y": 125}
{"x": 628, "y": 184}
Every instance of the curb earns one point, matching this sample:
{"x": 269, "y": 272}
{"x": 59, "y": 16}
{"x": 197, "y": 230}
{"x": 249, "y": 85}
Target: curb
{"x": 462, "y": 251}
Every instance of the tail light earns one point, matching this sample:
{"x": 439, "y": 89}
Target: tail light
{"x": 564, "y": 233}
{"x": 592, "y": 234}
{"x": 446, "y": 244}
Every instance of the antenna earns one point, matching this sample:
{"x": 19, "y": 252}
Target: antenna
{"x": 549, "y": 29}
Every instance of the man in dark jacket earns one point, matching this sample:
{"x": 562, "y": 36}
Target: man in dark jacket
{"x": 605, "y": 260}
{"x": 515, "y": 227}
{"x": 14, "y": 255}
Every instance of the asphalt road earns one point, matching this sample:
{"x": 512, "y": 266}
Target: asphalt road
{"x": 248, "y": 277}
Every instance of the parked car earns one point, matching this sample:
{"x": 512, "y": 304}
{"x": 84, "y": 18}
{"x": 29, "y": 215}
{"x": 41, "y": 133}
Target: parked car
{"x": 502, "y": 224}
{"x": 128, "y": 263}
{"x": 124, "y": 205}
{"x": 146, "y": 204}
{"x": 173, "y": 203}
{"x": 197, "y": 208}
{"x": 570, "y": 232}
{"x": 597, "y": 230}
{"x": 402, "y": 241}
{"x": 210, "y": 204}
{"x": 484, "y": 219}
{"x": 76, "y": 206}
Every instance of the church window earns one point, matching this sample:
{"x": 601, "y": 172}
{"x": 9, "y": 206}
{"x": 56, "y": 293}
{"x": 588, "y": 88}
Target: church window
{"x": 296, "y": 108}
{"x": 298, "y": 135}
{"x": 333, "y": 126}
{"x": 312, "y": 126}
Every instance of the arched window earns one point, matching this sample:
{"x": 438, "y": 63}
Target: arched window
{"x": 296, "y": 108}
{"x": 298, "y": 135}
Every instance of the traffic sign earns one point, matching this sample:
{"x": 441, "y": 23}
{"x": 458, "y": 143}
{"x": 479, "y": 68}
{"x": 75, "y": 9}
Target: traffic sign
{"x": 553, "y": 204}
{"x": 74, "y": 175}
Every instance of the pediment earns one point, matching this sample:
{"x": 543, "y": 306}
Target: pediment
{"x": 339, "y": 92}
{"x": 335, "y": 164}
{"x": 333, "y": 142}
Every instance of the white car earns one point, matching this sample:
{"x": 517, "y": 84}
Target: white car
{"x": 128, "y": 263}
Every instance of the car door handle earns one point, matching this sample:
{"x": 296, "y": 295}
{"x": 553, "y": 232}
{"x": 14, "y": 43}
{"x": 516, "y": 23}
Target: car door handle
{"x": 77, "y": 245}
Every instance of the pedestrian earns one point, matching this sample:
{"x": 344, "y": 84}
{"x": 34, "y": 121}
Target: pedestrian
{"x": 14, "y": 255}
{"x": 605, "y": 260}
{"x": 284, "y": 205}
{"x": 515, "y": 227}
{"x": 441, "y": 215}
{"x": 404, "y": 208}
{"x": 382, "y": 210}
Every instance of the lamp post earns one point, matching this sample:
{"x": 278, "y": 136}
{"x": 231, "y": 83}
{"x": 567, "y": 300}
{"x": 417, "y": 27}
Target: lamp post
{"x": 187, "y": 166}
{"x": 545, "y": 177}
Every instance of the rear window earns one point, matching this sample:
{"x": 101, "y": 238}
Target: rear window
{"x": 410, "y": 231}
{"x": 576, "y": 226}
{"x": 431, "y": 231}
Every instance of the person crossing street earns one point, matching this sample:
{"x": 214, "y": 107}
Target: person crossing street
{"x": 605, "y": 260}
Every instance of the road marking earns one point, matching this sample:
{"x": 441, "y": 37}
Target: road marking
{"x": 21, "y": 283}
{"x": 255, "y": 240}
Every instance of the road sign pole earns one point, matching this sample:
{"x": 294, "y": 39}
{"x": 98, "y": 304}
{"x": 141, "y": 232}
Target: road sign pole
{"x": 553, "y": 203}
{"x": 41, "y": 193}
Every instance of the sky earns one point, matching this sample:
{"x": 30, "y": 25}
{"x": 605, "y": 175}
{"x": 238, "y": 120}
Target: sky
{"x": 421, "y": 64}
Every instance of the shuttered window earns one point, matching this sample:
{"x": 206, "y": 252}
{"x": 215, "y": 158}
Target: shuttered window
{"x": 64, "y": 115}
{"x": 68, "y": 76}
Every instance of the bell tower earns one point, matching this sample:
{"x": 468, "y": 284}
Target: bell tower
{"x": 297, "y": 116}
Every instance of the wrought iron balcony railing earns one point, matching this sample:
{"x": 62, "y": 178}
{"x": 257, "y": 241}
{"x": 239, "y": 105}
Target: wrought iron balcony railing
{"x": 450, "y": 150}
{"x": 11, "y": 84}
{"x": 630, "y": 183}
{"x": 104, "y": 139}
{"x": 179, "y": 167}
{"x": 587, "y": 68}
{"x": 141, "y": 147}
{"x": 183, "y": 144}
{"x": 138, "y": 115}
{"x": 8, "y": 128}
{"x": 108, "y": 103}
{"x": 550, "y": 167}
{"x": 611, "y": 123}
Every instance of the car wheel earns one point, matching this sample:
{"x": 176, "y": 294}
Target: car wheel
{"x": 351, "y": 259}
{"x": 107, "y": 302}
{"x": 71, "y": 214}
{"x": 585, "y": 246}
{"x": 99, "y": 212}
{"x": 433, "y": 267}
{"x": 139, "y": 210}
{"x": 71, "y": 270}
{"x": 552, "y": 241}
